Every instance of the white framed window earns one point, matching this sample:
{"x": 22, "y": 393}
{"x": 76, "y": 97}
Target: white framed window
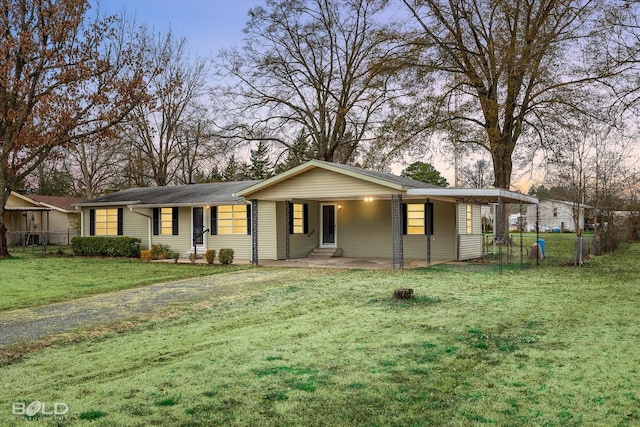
{"x": 232, "y": 219}
{"x": 106, "y": 222}
{"x": 415, "y": 218}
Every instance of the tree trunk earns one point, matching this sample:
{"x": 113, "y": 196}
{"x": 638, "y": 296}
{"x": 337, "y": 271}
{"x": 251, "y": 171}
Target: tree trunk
{"x": 502, "y": 168}
{"x": 4, "y": 195}
{"x": 4, "y": 248}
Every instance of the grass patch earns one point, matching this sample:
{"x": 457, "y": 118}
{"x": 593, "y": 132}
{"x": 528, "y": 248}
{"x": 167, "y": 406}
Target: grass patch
{"x": 553, "y": 346}
{"x": 29, "y": 280}
{"x": 91, "y": 415}
{"x": 169, "y": 401}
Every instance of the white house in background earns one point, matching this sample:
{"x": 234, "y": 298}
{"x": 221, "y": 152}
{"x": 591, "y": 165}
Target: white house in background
{"x": 555, "y": 215}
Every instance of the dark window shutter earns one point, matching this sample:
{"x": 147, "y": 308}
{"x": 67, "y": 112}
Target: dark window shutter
{"x": 306, "y": 218}
{"x": 174, "y": 221}
{"x": 120, "y": 221}
{"x": 404, "y": 218}
{"x": 156, "y": 221}
{"x": 249, "y": 219}
{"x": 290, "y": 218}
{"x": 92, "y": 222}
{"x": 213, "y": 230}
{"x": 428, "y": 218}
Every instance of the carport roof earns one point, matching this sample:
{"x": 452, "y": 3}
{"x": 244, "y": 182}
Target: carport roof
{"x": 474, "y": 195}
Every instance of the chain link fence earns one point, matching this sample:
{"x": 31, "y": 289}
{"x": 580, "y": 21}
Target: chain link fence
{"x": 28, "y": 239}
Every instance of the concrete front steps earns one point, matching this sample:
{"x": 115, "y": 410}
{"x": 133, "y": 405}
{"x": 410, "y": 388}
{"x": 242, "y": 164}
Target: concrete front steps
{"x": 324, "y": 253}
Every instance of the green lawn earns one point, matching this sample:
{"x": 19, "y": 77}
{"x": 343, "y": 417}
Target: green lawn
{"x": 31, "y": 279}
{"x": 550, "y": 346}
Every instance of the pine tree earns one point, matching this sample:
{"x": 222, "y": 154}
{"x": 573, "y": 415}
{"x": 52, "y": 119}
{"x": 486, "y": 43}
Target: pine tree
{"x": 260, "y": 166}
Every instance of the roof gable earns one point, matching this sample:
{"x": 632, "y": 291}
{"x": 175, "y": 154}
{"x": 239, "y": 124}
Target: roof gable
{"x": 388, "y": 181}
{"x": 19, "y": 200}
{"x": 61, "y": 203}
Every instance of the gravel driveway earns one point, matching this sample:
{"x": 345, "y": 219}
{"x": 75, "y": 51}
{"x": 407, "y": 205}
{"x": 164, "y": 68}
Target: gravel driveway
{"x": 25, "y": 326}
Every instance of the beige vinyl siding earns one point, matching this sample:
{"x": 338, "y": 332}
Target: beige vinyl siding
{"x": 476, "y": 216}
{"x": 16, "y": 202}
{"x": 301, "y": 245}
{"x": 61, "y": 221}
{"x": 364, "y": 230}
{"x": 443, "y": 240}
{"x": 182, "y": 242}
{"x": 469, "y": 245}
{"x": 281, "y": 228}
{"x": 267, "y": 230}
{"x": 321, "y": 183}
{"x": 133, "y": 225}
{"x": 240, "y": 243}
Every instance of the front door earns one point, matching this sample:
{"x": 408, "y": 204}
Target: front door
{"x": 328, "y": 234}
{"x": 198, "y": 227}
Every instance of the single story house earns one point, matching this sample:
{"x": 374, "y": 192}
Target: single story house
{"x": 555, "y": 215}
{"x": 36, "y": 219}
{"x": 319, "y": 206}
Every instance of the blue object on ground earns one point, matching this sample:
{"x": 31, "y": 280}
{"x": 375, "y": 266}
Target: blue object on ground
{"x": 541, "y": 246}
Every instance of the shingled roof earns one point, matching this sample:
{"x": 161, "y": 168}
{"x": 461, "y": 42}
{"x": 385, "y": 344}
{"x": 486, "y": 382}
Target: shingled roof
{"x": 208, "y": 194}
{"x": 57, "y": 202}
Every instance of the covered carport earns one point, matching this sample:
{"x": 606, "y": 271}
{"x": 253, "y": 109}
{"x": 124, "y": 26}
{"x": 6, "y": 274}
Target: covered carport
{"x": 484, "y": 196}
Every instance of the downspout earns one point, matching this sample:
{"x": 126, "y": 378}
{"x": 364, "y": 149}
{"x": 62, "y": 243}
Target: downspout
{"x": 458, "y": 236}
{"x": 429, "y": 219}
{"x": 287, "y": 236}
{"x": 149, "y": 219}
{"x": 254, "y": 232}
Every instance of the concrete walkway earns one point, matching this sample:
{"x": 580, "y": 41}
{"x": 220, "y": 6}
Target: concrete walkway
{"x": 347, "y": 263}
{"x": 337, "y": 262}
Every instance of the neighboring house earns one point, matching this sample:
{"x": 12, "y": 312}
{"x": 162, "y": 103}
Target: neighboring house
{"x": 35, "y": 219}
{"x": 345, "y": 210}
{"x": 555, "y": 215}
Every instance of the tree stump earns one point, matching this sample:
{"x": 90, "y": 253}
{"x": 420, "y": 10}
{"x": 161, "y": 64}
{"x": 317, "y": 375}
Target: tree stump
{"x": 403, "y": 293}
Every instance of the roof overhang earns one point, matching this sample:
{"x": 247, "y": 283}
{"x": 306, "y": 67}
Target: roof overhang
{"x": 101, "y": 204}
{"x": 58, "y": 208}
{"x": 474, "y": 195}
{"x": 187, "y": 205}
{"x": 26, "y": 208}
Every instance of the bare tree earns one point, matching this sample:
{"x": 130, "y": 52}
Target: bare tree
{"x": 510, "y": 69}
{"x": 200, "y": 149}
{"x": 477, "y": 175}
{"x": 96, "y": 164}
{"x": 570, "y": 166}
{"x": 322, "y": 69}
{"x": 592, "y": 167}
{"x": 64, "y": 76}
{"x": 174, "y": 84}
